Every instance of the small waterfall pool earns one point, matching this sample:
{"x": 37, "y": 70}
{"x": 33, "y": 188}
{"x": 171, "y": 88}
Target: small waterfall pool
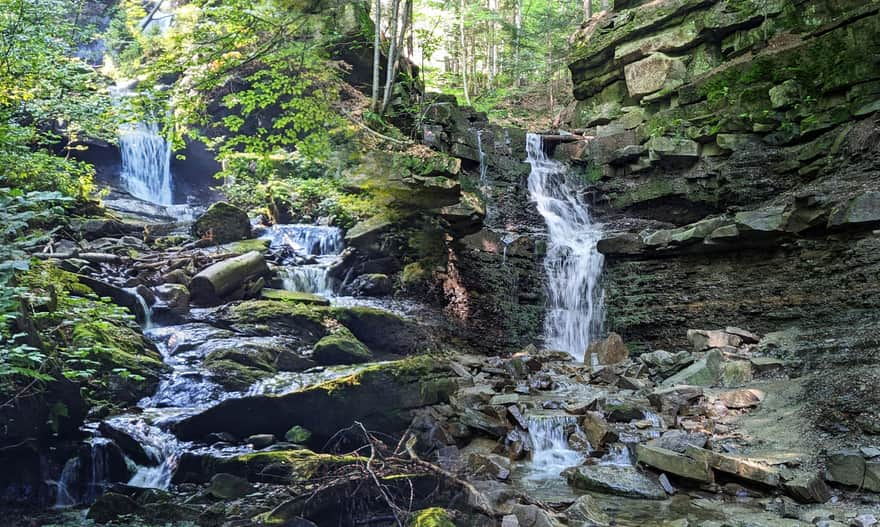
{"x": 572, "y": 264}
{"x": 308, "y": 251}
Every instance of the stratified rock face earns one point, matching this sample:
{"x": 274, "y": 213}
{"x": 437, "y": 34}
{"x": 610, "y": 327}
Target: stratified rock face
{"x": 735, "y": 149}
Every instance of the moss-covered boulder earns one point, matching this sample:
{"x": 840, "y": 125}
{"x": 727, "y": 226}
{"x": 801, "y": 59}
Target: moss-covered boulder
{"x": 293, "y": 296}
{"x": 129, "y": 364}
{"x": 382, "y": 331}
{"x": 380, "y": 396}
{"x": 341, "y": 347}
{"x": 433, "y": 517}
{"x": 223, "y": 223}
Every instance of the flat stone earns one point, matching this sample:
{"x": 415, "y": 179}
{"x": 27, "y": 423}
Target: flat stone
{"x": 533, "y": 516}
{"x": 504, "y": 399}
{"x": 674, "y": 463}
{"x": 762, "y": 220}
{"x": 741, "y": 467}
{"x": 679, "y": 440}
{"x": 767, "y": 364}
{"x": 586, "y": 511}
{"x": 807, "y": 487}
{"x": 480, "y": 421}
{"x": 704, "y": 372}
{"x": 703, "y": 339}
{"x": 620, "y": 480}
{"x": 745, "y": 398}
{"x": 651, "y": 74}
{"x": 863, "y": 209}
{"x": 294, "y": 296}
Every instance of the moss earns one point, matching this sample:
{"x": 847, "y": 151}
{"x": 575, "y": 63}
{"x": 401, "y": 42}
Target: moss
{"x": 433, "y": 517}
{"x": 245, "y": 246}
{"x": 116, "y": 346}
{"x": 294, "y": 296}
{"x": 413, "y": 274}
{"x": 341, "y": 347}
{"x": 287, "y": 465}
{"x": 234, "y": 376}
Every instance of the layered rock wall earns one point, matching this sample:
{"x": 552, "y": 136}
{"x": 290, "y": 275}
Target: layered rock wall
{"x": 734, "y": 149}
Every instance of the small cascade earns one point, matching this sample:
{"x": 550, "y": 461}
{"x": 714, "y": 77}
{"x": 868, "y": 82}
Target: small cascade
{"x": 551, "y": 453}
{"x": 147, "y": 322}
{"x": 84, "y": 478}
{"x": 161, "y": 446}
{"x": 572, "y": 264}
{"x": 146, "y": 163}
{"x": 317, "y": 245}
{"x": 618, "y": 454}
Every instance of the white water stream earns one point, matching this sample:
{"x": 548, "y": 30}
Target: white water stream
{"x": 320, "y": 245}
{"x": 572, "y": 264}
{"x": 146, "y": 163}
{"x": 551, "y": 453}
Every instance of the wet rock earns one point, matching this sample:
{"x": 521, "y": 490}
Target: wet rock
{"x": 480, "y": 421}
{"x": 174, "y": 296}
{"x": 289, "y": 360}
{"x": 228, "y": 486}
{"x": 381, "y": 396}
{"x": 585, "y": 511}
{"x": 745, "y": 398}
{"x": 223, "y": 223}
{"x": 623, "y": 412}
{"x": 533, "y": 516}
{"x": 610, "y": 350}
{"x": 620, "y": 480}
{"x": 597, "y": 429}
{"x": 260, "y": 441}
{"x": 341, "y": 347}
{"x": 489, "y": 465}
{"x": 128, "y": 444}
{"x": 807, "y": 487}
{"x": 297, "y": 434}
{"x": 373, "y": 284}
{"x": 674, "y": 463}
{"x": 111, "y": 506}
{"x": 293, "y": 296}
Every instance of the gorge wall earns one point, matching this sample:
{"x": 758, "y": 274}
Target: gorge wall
{"x": 733, "y": 150}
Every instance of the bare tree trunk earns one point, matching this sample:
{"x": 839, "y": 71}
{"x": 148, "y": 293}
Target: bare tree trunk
{"x": 377, "y": 56}
{"x": 606, "y": 5}
{"x": 492, "y": 59}
{"x": 588, "y": 9}
{"x": 392, "y": 54}
{"x": 517, "y": 23}
{"x": 464, "y": 57}
{"x": 395, "y": 57}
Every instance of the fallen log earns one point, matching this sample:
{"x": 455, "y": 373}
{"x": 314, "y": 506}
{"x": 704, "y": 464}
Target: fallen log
{"x": 225, "y": 277}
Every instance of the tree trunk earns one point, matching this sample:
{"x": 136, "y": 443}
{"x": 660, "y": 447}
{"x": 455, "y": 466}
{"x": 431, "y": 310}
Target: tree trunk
{"x": 377, "y": 56}
{"x": 464, "y": 57}
{"x": 217, "y": 281}
{"x": 517, "y": 23}
{"x": 392, "y": 52}
{"x": 394, "y": 57}
{"x": 588, "y": 9}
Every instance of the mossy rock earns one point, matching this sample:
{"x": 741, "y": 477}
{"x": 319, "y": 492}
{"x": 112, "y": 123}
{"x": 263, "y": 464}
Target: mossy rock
{"x": 271, "y": 317}
{"x": 294, "y": 296}
{"x": 245, "y": 246}
{"x": 380, "y": 396}
{"x": 278, "y": 466}
{"x": 234, "y": 376}
{"x": 382, "y": 331}
{"x": 341, "y": 347}
{"x": 128, "y": 362}
{"x": 224, "y": 223}
{"x": 433, "y": 517}
{"x": 297, "y": 434}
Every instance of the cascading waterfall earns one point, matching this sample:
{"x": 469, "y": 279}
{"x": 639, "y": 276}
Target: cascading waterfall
{"x": 572, "y": 264}
{"x": 482, "y": 157}
{"x": 551, "y": 453}
{"x": 146, "y": 163}
{"x": 319, "y": 243}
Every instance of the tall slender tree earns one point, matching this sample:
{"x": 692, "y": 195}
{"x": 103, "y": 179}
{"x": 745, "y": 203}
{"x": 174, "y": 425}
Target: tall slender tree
{"x": 377, "y": 56}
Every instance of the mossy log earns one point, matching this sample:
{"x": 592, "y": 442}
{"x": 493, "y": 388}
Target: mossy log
{"x": 222, "y": 279}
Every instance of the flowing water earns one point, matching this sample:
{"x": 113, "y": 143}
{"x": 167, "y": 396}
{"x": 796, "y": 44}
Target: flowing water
{"x": 572, "y": 264}
{"x": 551, "y": 453}
{"x": 482, "y": 157}
{"x": 146, "y": 163}
{"x": 318, "y": 245}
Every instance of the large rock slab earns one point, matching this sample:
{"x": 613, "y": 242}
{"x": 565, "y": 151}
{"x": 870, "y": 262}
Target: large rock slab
{"x": 674, "y": 463}
{"x": 653, "y": 74}
{"x": 379, "y": 396}
{"x": 620, "y": 480}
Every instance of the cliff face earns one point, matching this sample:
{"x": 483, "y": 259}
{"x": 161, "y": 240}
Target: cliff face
{"x": 735, "y": 152}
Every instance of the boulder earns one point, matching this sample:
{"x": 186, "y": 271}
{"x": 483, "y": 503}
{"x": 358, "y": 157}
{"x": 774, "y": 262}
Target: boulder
{"x": 111, "y": 506}
{"x": 741, "y": 467}
{"x": 372, "y": 284}
{"x": 223, "y": 223}
{"x": 610, "y": 350}
{"x": 533, "y": 516}
{"x": 229, "y": 486}
{"x": 679, "y": 440}
{"x": 297, "y": 297}
{"x": 620, "y": 480}
{"x": 653, "y": 73}
{"x": 489, "y": 465}
{"x": 862, "y": 210}
{"x": 702, "y": 339}
{"x": 736, "y": 373}
{"x": 849, "y": 467}
{"x": 670, "y": 400}
{"x": 674, "y": 463}
{"x": 807, "y": 487}
{"x": 174, "y": 296}
{"x": 340, "y": 347}
{"x": 704, "y": 372}
{"x": 745, "y": 398}
{"x": 586, "y": 511}
{"x": 481, "y": 421}
{"x": 381, "y": 396}
{"x": 597, "y": 429}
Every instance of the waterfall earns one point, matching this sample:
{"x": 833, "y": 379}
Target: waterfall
{"x": 320, "y": 244}
{"x": 83, "y": 479}
{"x": 551, "y": 453}
{"x": 482, "y": 157}
{"x": 146, "y": 163}
{"x": 572, "y": 263}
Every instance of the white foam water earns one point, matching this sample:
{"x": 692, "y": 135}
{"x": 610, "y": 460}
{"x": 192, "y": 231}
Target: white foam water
{"x": 146, "y": 163}
{"x": 572, "y": 264}
{"x": 551, "y": 453}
